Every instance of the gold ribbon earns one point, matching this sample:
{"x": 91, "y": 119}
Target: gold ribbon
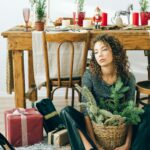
{"x": 50, "y": 115}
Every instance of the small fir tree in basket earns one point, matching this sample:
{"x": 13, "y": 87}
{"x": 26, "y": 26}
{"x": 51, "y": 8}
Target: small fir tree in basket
{"x": 111, "y": 117}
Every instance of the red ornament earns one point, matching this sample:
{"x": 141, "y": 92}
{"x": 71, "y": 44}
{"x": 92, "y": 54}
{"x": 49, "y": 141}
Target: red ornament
{"x": 97, "y": 17}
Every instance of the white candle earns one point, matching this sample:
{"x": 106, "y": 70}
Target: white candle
{"x": 148, "y": 22}
{"x": 65, "y": 23}
{"x": 86, "y": 23}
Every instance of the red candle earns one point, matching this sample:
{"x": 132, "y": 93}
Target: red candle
{"x": 104, "y": 19}
{"x": 135, "y": 18}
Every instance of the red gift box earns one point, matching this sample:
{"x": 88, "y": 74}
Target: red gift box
{"x": 23, "y": 126}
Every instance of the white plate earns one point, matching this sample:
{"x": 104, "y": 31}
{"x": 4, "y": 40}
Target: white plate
{"x": 57, "y": 29}
{"x": 87, "y": 28}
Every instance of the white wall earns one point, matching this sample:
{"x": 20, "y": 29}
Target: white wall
{"x": 11, "y": 15}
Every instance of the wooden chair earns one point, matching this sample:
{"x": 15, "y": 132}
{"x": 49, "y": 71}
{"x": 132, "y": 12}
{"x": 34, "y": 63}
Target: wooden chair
{"x": 68, "y": 81}
{"x": 143, "y": 87}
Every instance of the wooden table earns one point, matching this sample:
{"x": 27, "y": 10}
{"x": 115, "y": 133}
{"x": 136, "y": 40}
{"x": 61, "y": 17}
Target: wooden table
{"x": 18, "y": 41}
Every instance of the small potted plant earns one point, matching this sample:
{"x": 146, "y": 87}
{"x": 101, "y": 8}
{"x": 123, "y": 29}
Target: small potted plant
{"x": 80, "y": 12}
{"x": 145, "y": 15}
{"x": 80, "y": 5}
{"x": 40, "y": 13}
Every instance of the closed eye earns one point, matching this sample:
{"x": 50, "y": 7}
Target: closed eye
{"x": 95, "y": 52}
{"x": 105, "y": 49}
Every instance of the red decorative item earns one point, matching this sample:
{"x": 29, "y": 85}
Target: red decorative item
{"x": 78, "y": 19}
{"x": 104, "y": 19}
{"x": 135, "y": 18}
{"x": 81, "y": 16}
{"x": 23, "y": 127}
{"x": 145, "y": 16}
{"x": 97, "y": 18}
{"x": 74, "y": 18}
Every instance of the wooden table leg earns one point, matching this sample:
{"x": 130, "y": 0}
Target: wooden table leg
{"x": 148, "y": 67}
{"x": 19, "y": 83}
{"x": 147, "y": 53}
{"x": 33, "y": 96}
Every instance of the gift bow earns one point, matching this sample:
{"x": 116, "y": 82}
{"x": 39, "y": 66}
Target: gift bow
{"x": 22, "y": 111}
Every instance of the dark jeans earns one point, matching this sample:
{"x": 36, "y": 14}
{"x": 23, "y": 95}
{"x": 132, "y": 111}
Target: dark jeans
{"x": 75, "y": 120}
{"x": 4, "y": 141}
{"x": 141, "y": 132}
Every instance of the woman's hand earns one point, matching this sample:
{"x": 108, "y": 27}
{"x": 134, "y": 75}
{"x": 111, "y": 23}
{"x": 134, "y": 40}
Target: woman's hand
{"x": 123, "y": 147}
{"x": 127, "y": 144}
{"x": 99, "y": 147}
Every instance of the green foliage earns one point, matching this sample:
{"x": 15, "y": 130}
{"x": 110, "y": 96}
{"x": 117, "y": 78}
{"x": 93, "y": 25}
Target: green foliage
{"x": 40, "y": 8}
{"x": 100, "y": 116}
{"x": 80, "y": 4}
{"x": 113, "y": 111}
{"x": 87, "y": 94}
{"x": 131, "y": 113}
{"x": 144, "y": 5}
{"x": 117, "y": 92}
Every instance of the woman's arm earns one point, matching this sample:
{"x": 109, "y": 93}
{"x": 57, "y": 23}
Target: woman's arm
{"x": 129, "y": 138}
{"x": 127, "y": 144}
{"x": 130, "y": 95}
{"x": 90, "y": 131}
{"x": 87, "y": 81}
{"x": 89, "y": 128}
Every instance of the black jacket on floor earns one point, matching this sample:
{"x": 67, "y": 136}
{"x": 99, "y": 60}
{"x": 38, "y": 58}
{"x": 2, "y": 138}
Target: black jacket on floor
{"x": 51, "y": 118}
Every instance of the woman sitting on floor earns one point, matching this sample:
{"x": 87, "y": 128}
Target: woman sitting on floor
{"x": 108, "y": 63}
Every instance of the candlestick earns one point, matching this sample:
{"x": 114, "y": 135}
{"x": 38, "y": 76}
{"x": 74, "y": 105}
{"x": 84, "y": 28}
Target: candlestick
{"x": 135, "y": 18}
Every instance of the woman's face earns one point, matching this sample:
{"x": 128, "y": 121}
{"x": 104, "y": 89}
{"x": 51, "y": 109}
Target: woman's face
{"x": 103, "y": 54}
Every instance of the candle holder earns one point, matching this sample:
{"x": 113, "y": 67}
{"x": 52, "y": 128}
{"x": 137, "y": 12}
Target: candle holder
{"x": 26, "y": 16}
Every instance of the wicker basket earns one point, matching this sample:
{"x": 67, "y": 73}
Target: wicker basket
{"x": 110, "y": 137}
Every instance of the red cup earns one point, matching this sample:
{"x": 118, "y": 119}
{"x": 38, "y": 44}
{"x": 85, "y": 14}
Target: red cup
{"x": 79, "y": 18}
{"x": 135, "y": 18}
{"x": 104, "y": 19}
{"x": 145, "y": 16}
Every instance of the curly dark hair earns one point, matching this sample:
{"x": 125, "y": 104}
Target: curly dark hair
{"x": 119, "y": 56}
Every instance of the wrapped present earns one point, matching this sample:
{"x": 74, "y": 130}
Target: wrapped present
{"x": 58, "y": 137}
{"x": 23, "y": 126}
{"x": 51, "y": 117}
